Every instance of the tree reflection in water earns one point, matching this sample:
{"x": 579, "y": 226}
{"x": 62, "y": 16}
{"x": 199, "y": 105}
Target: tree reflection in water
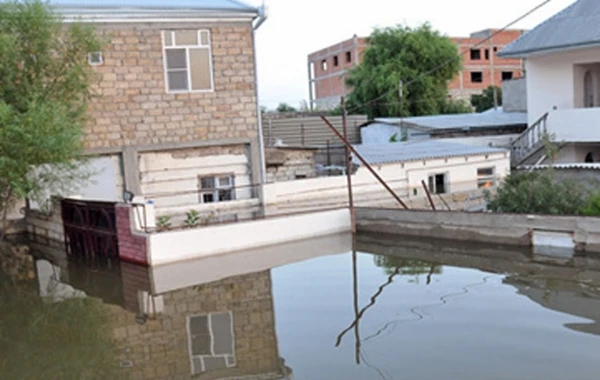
{"x": 54, "y": 340}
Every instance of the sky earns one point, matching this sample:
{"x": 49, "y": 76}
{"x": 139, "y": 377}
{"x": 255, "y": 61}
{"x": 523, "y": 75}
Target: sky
{"x": 296, "y": 28}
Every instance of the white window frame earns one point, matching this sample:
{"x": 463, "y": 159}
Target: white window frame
{"x": 482, "y": 179}
{"x": 187, "y": 56}
{"x": 91, "y": 62}
{"x": 446, "y": 183}
{"x": 217, "y": 188}
{"x": 212, "y": 341}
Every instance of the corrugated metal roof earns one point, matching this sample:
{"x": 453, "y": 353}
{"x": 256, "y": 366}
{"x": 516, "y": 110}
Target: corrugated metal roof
{"x": 226, "y": 5}
{"x": 415, "y": 151}
{"x": 580, "y": 166}
{"x": 496, "y": 119}
{"x": 575, "y": 26}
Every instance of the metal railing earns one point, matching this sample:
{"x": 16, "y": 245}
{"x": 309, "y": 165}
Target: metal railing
{"x": 530, "y": 140}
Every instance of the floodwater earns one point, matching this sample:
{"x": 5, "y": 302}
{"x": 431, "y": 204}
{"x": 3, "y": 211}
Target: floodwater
{"x": 395, "y": 309}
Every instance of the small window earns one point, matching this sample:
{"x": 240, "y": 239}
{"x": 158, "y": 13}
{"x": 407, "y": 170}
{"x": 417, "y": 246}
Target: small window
{"x": 188, "y": 60}
{"x": 324, "y": 65}
{"x": 495, "y": 49}
{"x": 211, "y": 342}
{"x": 487, "y": 54}
{"x": 215, "y": 189}
{"x": 475, "y": 54}
{"x": 336, "y": 61}
{"x": 476, "y": 77}
{"x": 486, "y": 178}
{"x": 437, "y": 184}
{"x": 348, "y": 56}
{"x": 507, "y": 75}
{"x": 95, "y": 58}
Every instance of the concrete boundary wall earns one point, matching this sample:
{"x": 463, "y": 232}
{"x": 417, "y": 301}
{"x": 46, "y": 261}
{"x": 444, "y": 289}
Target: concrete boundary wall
{"x": 172, "y": 246}
{"x": 504, "y": 229}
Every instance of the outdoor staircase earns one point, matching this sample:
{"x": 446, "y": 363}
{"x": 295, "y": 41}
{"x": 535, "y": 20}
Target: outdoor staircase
{"x": 528, "y": 148}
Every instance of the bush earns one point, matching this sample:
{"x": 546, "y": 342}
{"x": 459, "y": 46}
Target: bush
{"x": 593, "y": 206}
{"x": 538, "y": 193}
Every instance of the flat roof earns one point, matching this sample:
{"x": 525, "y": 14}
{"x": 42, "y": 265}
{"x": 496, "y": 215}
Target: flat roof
{"x": 489, "y": 119}
{"x": 415, "y": 151}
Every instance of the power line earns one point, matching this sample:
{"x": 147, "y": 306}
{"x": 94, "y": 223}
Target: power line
{"x": 420, "y": 76}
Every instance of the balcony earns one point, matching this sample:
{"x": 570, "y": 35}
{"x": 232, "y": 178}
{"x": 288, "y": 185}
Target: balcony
{"x": 578, "y": 125}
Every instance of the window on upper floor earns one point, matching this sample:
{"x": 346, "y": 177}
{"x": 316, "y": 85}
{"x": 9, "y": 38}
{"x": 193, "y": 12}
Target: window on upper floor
{"x": 336, "y": 61}
{"x": 348, "y": 56}
{"x": 487, "y": 53}
{"x": 188, "y": 61}
{"x": 476, "y": 77}
{"x": 475, "y": 54}
{"x": 507, "y": 75}
{"x": 95, "y": 58}
{"x": 324, "y": 65}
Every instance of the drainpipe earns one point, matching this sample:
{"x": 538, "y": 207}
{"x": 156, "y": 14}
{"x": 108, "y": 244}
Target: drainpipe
{"x": 262, "y": 17}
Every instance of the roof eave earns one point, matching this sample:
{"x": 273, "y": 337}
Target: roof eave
{"x": 100, "y": 15}
{"x": 554, "y": 49}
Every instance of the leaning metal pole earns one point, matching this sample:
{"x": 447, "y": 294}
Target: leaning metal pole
{"x": 364, "y": 162}
{"x": 348, "y": 169}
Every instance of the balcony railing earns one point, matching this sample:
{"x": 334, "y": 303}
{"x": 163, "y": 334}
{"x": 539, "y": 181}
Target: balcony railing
{"x": 530, "y": 140}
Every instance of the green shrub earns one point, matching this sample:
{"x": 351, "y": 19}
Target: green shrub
{"x": 538, "y": 193}
{"x": 593, "y": 206}
{"x": 163, "y": 222}
{"x": 192, "y": 218}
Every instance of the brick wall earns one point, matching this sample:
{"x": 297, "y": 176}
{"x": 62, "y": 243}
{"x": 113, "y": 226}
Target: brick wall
{"x": 132, "y": 105}
{"x": 290, "y": 164}
{"x": 132, "y": 245}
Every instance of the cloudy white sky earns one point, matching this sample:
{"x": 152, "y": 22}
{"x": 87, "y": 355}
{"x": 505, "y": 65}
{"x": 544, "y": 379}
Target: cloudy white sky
{"x": 297, "y": 27}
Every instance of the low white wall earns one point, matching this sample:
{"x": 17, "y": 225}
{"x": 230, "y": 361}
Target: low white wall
{"x": 173, "y": 246}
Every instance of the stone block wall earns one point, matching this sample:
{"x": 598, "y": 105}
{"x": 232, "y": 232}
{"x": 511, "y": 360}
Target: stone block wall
{"x": 46, "y": 228}
{"x": 290, "y": 164}
{"x": 158, "y": 348}
{"x": 132, "y": 245}
{"x": 132, "y": 106}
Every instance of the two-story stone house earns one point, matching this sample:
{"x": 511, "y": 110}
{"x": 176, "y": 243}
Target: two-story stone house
{"x": 175, "y": 117}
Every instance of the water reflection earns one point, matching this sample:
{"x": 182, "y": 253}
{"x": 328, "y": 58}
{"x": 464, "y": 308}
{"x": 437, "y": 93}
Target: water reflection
{"x": 330, "y": 312}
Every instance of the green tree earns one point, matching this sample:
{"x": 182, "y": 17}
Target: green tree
{"x": 485, "y": 100}
{"x": 43, "y": 99}
{"x": 423, "y": 59}
{"x": 284, "y": 107}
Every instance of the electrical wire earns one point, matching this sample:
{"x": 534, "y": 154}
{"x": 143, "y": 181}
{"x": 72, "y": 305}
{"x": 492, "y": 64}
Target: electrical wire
{"x": 445, "y": 63}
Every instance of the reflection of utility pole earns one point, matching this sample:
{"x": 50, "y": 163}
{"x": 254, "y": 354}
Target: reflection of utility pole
{"x": 401, "y": 94}
{"x": 355, "y": 283}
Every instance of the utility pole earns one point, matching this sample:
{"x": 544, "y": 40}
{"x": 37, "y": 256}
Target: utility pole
{"x": 348, "y": 167}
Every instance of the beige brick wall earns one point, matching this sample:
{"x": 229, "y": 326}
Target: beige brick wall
{"x": 159, "y": 348}
{"x": 132, "y": 106}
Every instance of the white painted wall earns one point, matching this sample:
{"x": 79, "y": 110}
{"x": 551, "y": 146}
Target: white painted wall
{"x": 177, "y": 178}
{"x": 553, "y": 80}
{"x": 173, "y": 246}
{"x": 107, "y": 182}
{"x": 402, "y": 177}
{"x": 575, "y": 125}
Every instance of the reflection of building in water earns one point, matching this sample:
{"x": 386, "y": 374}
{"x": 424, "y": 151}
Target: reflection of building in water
{"x": 565, "y": 296}
{"x": 223, "y": 329}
